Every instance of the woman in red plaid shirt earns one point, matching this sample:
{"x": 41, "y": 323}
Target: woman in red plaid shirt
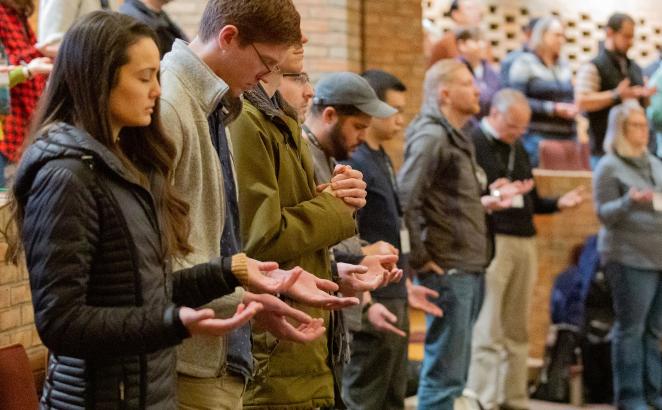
{"x": 18, "y": 39}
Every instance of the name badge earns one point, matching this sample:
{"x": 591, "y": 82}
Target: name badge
{"x": 405, "y": 244}
{"x": 657, "y": 201}
{"x": 517, "y": 201}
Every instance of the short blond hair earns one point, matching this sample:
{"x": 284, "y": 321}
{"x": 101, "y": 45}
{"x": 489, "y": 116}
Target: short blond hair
{"x": 441, "y": 72}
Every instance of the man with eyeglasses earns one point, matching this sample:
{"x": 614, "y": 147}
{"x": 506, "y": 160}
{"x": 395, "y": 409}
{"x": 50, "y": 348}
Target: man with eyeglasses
{"x": 201, "y": 85}
{"x": 285, "y": 218}
{"x": 502, "y": 323}
{"x": 297, "y": 90}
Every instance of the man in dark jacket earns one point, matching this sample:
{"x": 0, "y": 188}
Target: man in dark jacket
{"x": 502, "y": 323}
{"x": 609, "y": 79}
{"x": 151, "y": 13}
{"x": 376, "y": 375}
{"x": 442, "y": 187}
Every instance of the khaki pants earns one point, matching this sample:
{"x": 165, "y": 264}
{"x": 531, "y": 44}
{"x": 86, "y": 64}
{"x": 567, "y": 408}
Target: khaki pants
{"x": 222, "y": 393}
{"x": 500, "y": 345}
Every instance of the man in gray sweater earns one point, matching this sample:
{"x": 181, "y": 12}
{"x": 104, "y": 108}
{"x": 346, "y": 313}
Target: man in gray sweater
{"x": 442, "y": 188}
{"x": 201, "y": 85}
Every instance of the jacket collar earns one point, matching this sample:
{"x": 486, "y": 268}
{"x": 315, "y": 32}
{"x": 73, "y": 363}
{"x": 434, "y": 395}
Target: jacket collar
{"x": 433, "y": 114}
{"x": 204, "y": 85}
{"x": 275, "y": 107}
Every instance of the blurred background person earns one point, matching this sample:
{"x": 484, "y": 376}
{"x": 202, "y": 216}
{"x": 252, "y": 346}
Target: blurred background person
{"x": 56, "y": 16}
{"x": 507, "y": 61}
{"x": 19, "y": 40}
{"x": 546, "y": 80}
{"x": 151, "y": 13}
{"x": 627, "y": 189}
{"x": 471, "y": 46}
{"x": 654, "y": 113}
{"x": 609, "y": 79}
{"x": 500, "y": 345}
{"x": 465, "y": 14}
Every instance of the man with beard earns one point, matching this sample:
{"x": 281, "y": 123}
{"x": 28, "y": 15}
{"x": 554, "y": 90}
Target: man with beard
{"x": 442, "y": 190}
{"x": 342, "y": 110}
{"x": 609, "y": 79}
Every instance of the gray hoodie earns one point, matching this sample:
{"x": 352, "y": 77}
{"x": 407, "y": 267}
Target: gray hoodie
{"x": 440, "y": 189}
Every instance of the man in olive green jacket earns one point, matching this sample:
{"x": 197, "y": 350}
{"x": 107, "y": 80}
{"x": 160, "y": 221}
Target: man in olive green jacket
{"x": 285, "y": 219}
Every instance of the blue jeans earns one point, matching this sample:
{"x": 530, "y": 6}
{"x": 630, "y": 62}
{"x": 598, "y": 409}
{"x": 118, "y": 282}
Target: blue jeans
{"x": 448, "y": 338}
{"x": 637, "y": 364}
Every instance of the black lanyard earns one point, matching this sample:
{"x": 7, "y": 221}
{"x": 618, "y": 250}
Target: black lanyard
{"x": 313, "y": 140}
{"x": 510, "y": 167}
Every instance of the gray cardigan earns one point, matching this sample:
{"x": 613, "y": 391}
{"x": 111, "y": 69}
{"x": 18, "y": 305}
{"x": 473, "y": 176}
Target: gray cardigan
{"x": 190, "y": 93}
{"x": 631, "y": 233}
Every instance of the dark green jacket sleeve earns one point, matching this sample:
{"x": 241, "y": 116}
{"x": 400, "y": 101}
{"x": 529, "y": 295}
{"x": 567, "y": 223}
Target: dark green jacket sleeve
{"x": 278, "y": 221}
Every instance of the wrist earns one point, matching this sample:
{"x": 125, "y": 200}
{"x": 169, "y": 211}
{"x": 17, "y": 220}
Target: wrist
{"x": 26, "y": 72}
{"x": 240, "y": 268}
{"x": 616, "y": 96}
{"x": 367, "y": 305}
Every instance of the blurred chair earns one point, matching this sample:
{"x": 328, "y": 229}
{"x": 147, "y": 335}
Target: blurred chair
{"x": 563, "y": 155}
{"x": 17, "y": 387}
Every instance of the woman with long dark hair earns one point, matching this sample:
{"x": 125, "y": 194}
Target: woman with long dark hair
{"x": 99, "y": 221}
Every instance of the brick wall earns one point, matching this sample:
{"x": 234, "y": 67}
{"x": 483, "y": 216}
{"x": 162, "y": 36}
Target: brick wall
{"x": 393, "y": 41}
{"x": 16, "y": 314}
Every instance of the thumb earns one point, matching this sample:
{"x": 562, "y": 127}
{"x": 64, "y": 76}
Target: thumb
{"x": 387, "y": 259}
{"x": 389, "y": 316}
{"x": 267, "y": 266}
{"x": 339, "y": 169}
{"x": 429, "y": 292}
{"x": 188, "y": 315}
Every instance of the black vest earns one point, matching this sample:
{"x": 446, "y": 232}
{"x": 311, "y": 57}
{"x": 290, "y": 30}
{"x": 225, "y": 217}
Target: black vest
{"x": 610, "y": 76}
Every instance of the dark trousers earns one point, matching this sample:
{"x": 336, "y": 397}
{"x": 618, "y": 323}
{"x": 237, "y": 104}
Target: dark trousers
{"x": 376, "y": 376}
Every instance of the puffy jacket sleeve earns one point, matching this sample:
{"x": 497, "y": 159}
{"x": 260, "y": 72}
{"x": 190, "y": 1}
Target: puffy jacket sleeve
{"x": 61, "y": 236}
{"x": 203, "y": 283}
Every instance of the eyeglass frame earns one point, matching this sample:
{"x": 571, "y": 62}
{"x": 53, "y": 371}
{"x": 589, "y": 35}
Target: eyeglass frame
{"x": 270, "y": 70}
{"x": 296, "y": 76}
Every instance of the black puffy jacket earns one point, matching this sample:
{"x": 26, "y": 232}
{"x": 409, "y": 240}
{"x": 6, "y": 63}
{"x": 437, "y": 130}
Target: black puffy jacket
{"x": 105, "y": 302}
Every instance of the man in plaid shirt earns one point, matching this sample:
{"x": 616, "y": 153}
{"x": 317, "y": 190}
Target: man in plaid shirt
{"x": 18, "y": 40}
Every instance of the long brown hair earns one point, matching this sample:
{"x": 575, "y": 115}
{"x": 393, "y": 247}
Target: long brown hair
{"x": 85, "y": 72}
{"x": 24, "y": 8}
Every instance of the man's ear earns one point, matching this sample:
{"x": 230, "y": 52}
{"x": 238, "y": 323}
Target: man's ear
{"x": 329, "y": 116}
{"x": 226, "y": 36}
{"x": 443, "y": 94}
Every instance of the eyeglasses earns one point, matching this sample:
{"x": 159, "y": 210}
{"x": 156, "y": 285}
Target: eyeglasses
{"x": 274, "y": 69}
{"x": 300, "y": 78}
{"x": 637, "y": 125}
